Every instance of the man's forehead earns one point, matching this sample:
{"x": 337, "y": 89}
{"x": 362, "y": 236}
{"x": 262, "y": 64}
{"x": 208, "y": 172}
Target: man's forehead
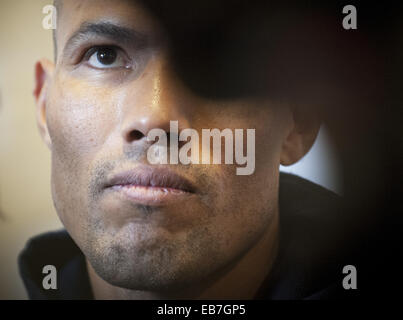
{"x": 176, "y": 15}
{"x": 73, "y": 14}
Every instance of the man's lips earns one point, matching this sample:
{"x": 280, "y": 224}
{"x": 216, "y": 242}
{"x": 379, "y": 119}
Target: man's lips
{"x": 151, "y": 186}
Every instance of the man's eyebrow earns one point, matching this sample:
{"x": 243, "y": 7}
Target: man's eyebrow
{"x": 106, "y": 30}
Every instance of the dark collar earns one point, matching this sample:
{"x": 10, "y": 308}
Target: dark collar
{"x": 57, "y": 249}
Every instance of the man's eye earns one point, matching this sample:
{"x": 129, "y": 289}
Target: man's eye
{"x": 106, "y": 58}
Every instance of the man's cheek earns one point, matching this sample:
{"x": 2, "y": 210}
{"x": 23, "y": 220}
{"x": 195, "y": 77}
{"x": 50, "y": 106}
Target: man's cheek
{"x": 79, "y": 119}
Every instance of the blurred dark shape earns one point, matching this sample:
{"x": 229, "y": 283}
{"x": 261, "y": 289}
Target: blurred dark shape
{"x": 280, "y": 49}
{"x": 298, "y": 52}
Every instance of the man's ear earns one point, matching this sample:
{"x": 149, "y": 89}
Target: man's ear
{"x": 43, "y": 75}
{"x": 299, "y": 138}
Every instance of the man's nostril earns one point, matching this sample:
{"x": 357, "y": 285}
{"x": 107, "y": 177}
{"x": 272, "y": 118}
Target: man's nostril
{"x": 135, "y": 135}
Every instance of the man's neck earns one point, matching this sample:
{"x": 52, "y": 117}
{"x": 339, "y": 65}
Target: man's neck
{"x": 241, "y": 280}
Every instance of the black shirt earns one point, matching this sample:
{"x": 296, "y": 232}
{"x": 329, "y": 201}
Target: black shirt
{"x": 313, "y": 249}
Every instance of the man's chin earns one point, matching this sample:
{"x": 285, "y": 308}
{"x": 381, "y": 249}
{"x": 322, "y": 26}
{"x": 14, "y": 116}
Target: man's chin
{"x": 146, "y": 257}
{"x": 140, "y": 273}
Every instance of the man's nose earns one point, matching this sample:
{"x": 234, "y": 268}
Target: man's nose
{"x": 153, "y": 100}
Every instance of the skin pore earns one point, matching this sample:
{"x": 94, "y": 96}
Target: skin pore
{"x": 112, "y": 82}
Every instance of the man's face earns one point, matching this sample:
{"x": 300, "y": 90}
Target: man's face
{"x": 109, "y": 88}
